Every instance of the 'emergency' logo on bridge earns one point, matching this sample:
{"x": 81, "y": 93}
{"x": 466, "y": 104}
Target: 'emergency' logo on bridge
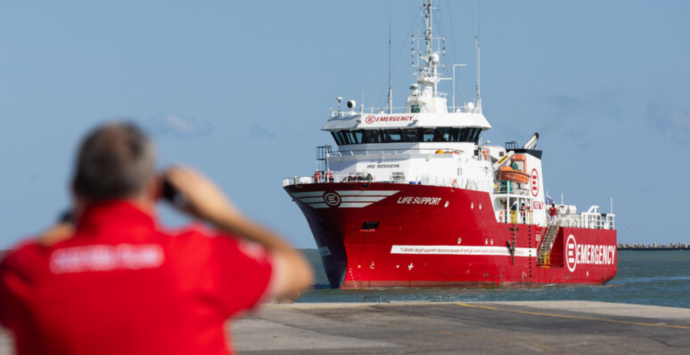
{"x": 342, "y": 199}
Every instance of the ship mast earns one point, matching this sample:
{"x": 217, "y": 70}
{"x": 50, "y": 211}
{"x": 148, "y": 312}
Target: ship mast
{"x": 425, "y": 96}
{"x": 432, "y": 59}
{"x": 478, "y": 49}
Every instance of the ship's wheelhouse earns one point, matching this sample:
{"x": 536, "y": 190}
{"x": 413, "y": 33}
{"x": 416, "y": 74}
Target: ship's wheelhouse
{"x": 407, "y": 135}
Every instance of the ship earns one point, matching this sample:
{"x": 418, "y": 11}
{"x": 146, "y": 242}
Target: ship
{"x": 414, "y": 196}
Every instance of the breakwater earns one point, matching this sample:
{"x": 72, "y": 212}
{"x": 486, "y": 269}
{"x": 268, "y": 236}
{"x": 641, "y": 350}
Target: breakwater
{"x": 654, "y": 246}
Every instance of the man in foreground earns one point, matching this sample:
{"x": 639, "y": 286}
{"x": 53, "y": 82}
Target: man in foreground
{"x": 118, "y": 283}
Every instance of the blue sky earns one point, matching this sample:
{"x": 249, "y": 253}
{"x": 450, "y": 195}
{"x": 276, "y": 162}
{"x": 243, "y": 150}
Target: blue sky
{"x": 240, "y": 90}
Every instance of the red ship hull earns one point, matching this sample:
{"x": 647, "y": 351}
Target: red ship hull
{"x": 433, "y": 236}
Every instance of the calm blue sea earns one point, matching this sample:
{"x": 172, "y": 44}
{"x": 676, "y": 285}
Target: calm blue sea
{"x": 659, "y": 278}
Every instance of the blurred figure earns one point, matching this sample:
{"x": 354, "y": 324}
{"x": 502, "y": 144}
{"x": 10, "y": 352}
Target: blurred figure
{"x": 110, "y": 280}
{"x": 438, "y": 136}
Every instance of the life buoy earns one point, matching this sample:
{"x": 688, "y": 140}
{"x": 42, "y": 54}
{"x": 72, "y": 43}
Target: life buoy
{"x": 486, "y": 154}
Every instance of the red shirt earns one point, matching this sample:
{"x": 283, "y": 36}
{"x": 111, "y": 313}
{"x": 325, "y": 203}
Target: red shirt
{"x": 122, "y": 285}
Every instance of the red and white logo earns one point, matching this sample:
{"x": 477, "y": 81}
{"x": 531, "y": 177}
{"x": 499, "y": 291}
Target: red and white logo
{"x": 571, "y": 250}
{"x": 332, "y": 199}
{"x": 370, "y": 119}
{"x": 534, "y": 183}
{"x": 538, "y": 205}
{"x": 588, "y": 254}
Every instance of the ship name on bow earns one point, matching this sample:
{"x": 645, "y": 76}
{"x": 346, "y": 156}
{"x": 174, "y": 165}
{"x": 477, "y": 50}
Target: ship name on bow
{"x": 431, "y": 201}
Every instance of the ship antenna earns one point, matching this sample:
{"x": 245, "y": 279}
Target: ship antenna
{"x": 479, "y": 96}
{"x": 390, "y": 87}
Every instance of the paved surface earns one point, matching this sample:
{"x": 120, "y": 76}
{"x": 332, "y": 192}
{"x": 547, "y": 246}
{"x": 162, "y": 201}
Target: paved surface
{"x": 561, "y": 327}
{"x": 558, "y": 327}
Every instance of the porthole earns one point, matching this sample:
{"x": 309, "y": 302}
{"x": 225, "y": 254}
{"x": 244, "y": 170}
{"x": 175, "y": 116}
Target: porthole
{"x": 472, "y": 205}
{"x": 447, "y": 203}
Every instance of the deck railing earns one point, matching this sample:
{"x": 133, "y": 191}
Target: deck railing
{"x": 518, "y": 217}
{"x": 396, "y": 110}
{"x": 468, "y": 184}
{"x": 589, "y": 220}
{"x": 366, "y": 152}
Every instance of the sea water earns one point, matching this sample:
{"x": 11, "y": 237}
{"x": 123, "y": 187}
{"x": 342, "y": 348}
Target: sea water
{"x": 660, "y": 278}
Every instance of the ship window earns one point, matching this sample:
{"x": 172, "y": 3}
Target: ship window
{"x": 336, "y": 137}
{"x": 371, "y": 136}
{"x": 358, "y": 136}
{"x": 392, "y": 135}
{"x": 411, "y": 135}
{"x": 454, "y": 135}
{"x": 441, "y": 134}
{"x": 438, "y": 134}
{"x": 347, "y": 138}
{"x": 464, "y": 135}
{"x": 354, "y": 137}
{"x": 472, "y": 135}
{"x": 427, "y": 134}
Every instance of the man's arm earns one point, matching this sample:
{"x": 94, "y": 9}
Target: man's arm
{"x": 207, "y": 202}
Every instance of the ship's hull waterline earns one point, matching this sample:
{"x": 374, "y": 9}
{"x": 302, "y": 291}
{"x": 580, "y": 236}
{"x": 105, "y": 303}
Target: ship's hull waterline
{"x": 439, "y": 236}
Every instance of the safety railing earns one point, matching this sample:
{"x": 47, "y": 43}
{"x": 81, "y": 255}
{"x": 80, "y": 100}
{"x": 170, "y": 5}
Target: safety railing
{"x": 366, "y": 152}
{"x": 544, "y": 259}
{"x": 516, "y": 217}
{"x": 395, "y": 110}
{"x": 589, "y": 220}
{"x": 510, "y": 187}
{"x": 467, "y": 184}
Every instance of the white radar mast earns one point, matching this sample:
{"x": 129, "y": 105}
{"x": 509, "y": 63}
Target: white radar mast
{"x": 425, "y": 96}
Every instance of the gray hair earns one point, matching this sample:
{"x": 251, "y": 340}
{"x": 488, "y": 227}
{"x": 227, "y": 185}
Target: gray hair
{"x": 114, "y": 161}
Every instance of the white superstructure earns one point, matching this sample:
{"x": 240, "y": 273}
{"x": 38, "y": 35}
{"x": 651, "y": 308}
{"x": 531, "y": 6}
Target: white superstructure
{"x": 429, "y": 143}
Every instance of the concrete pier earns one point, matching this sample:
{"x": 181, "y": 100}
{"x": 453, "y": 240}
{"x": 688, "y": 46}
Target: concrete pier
{"x": 556, "y": 327}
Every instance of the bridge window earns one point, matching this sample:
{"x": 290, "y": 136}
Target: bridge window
{"x": 371, "y": 136}
{"x": 438, "y": 134}
{"x": 392, "y": 135}
{"x": 411, "y": 135}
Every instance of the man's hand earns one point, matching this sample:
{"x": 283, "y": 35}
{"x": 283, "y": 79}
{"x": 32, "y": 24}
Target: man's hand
{"x": 57, "y": 233}
{"x": 203, "y": 198}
